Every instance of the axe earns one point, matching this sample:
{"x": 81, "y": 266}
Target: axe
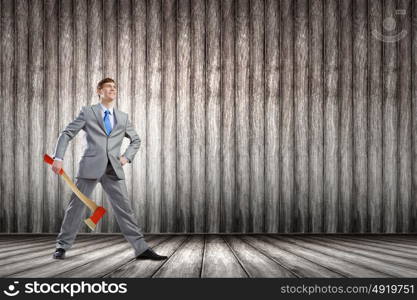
{"x": 97, "y": 211}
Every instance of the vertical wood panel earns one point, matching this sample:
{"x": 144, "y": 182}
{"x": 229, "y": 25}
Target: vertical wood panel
{"x": 212, "y": 122}
{"x": 80, "y": 85}
{"x": 143, "y": 62}
{"x": 198, "y": 114}
{"x": 359, "y": 87}
{"x": 375, "y": 118}
{"x": 300, "y": 217}
{"x": 315, "y": 167}
{"x": 65, "y": 95}
{"x": 242, "y": 70}
{"x": 404, "y": 129}
{"x": 169, "y": 150}
{"x": 390, "y": 118}
{"x": 138, "y": 117}
{"x": 110, "y": 54}
{"x": 346, "y": 121}
{"x": 124, "y": 78}
{"x": 198, "y": 122}
{"x": 228, "y": 162}
{"x": 272, "y": 116}
{"x": 183, "y": 116}
{"x": 51, "y": 223}
{"x": 2, "y": 44}
{"x": 413, "y": 33}
{"x": 110, "y": 34}
{"x": 154, "y": 114}
{"x": 36, "y": 114}
{"x": 287, "y": 119}
{"x": 8, "y": 98}
{"x": 22, "y": 126}
{"x": 94, "y": 75}
{"x": 257, "y": 117}
{"x": 331, "y": 116}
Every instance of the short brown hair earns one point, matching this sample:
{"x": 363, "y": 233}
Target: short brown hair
{"x": 103, "y": 81}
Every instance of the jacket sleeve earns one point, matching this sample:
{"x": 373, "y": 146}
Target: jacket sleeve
{"x": 135, "y": 141}
{"x": 68, "y": 134}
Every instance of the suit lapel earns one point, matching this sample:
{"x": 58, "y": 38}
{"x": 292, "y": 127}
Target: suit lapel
{"x": 97, "y": 112}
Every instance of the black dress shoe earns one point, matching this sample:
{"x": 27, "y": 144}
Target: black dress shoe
{"x": 59, "y": 253}
{"x": 150, "y": 254}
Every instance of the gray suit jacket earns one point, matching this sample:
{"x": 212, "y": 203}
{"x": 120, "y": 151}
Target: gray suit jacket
{"x": 100, "y": 147}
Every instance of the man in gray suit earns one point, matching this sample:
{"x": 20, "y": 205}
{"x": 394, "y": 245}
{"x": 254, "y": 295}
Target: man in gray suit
{"x": 105, "y": 127}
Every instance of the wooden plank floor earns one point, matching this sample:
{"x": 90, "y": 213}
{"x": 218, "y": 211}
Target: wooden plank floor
{"x": 214, "y": 255}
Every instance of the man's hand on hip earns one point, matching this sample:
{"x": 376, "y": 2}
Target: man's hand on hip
{"x": 123, "y": 160}
{"x": 57, "y": 166}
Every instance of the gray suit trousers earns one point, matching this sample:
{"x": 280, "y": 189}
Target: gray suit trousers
{"x": 116, "y": 192}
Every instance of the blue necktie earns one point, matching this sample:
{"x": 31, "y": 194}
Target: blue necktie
{"x": 107, "y": 123}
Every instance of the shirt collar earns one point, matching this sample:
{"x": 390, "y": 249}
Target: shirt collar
{"x": 105, "y": 108}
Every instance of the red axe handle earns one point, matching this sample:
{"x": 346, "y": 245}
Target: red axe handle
{"x": 50, "y": 160}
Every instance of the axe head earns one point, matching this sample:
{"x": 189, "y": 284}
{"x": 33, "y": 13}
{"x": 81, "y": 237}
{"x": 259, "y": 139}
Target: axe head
{"x": 95, "y": 217}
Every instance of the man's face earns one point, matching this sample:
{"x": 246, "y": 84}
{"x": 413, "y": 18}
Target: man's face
{"x": 108, "y": 91}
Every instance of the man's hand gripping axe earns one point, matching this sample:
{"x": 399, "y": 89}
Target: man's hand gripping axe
{"x": 97, "y": 211}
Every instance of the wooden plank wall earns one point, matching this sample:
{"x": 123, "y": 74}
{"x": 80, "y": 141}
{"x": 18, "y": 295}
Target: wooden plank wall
{"x": 254, "y": 115}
